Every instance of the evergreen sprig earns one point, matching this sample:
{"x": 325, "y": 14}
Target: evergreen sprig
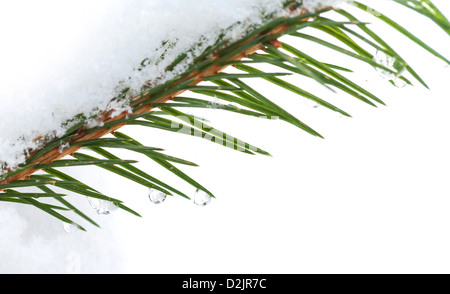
{"x": 162, "y": 107}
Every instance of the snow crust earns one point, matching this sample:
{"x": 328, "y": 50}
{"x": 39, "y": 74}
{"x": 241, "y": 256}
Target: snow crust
{"x": 64, "y": 58}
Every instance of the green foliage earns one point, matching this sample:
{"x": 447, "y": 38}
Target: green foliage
{"x": 227, "y": 92}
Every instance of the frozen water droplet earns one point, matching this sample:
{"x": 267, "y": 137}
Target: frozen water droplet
{"x": 69, "y": 228}
{"x": 397, "y": 67}
{"x": 201, "y": 198}
{"x": 385, "y": 60}
{"x": 102, "y": 207}
{"x": 156, "y": 196}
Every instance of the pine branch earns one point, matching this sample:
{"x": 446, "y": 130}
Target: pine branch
{"x": 206, "y": 78}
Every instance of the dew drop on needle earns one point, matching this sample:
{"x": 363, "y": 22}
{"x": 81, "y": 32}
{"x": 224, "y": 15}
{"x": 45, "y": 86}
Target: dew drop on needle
{"x": 156, "y": 196}
{"x": 69, "y": 228}
{"x": 201, "y": 198}
{"x": 102, "y": 207}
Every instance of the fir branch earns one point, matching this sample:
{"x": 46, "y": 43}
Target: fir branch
{"x": 205, "y": 77}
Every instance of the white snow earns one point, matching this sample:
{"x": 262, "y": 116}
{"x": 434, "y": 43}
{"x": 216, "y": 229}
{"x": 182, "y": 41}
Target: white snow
{"x": 319, "y": 4}
{"x": 62, "y": 58}
{"x": 31, "y": 243}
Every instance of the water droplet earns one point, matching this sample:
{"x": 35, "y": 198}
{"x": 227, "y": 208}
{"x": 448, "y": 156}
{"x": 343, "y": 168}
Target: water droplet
{"x": 201, "y": 198}
{"x": 102, "y": 207}
{"x": 397, "y": 66}
{"x": 156, "y": 196}
{"x": 399, "y": 83}
{"x": 69, "y": 228}
{"x": 373, "y": 11}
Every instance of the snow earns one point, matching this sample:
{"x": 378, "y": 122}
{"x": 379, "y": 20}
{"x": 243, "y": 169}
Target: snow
{"x": 311, "y": 5}
{"x": 64, "y": 58}
{"x": 411, "y": 196}
{"x": 27, "y": 237}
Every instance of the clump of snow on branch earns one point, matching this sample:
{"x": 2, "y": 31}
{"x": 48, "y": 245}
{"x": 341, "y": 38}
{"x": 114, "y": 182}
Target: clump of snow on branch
{"x": 64, "y": 58}
{"x": 312, "y": 5}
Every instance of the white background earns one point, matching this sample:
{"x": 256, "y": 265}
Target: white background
{"x": 372, "y": 197}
